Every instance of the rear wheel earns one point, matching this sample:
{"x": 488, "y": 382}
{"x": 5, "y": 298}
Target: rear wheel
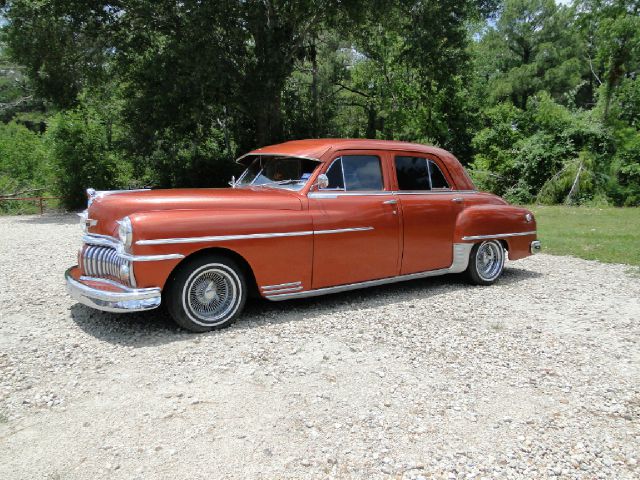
{"x": 486, "y": 262}
{"x": 206, "y": 293}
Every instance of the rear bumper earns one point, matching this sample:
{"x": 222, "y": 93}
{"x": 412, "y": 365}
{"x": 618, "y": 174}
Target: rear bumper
{"x": 110, "y": 296}
{"x": 535, "y": 246}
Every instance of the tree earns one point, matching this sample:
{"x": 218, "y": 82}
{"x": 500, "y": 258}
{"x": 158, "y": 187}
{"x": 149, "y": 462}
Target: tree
{"x": 611, "y": 31}
{"x": 532, "y": 48}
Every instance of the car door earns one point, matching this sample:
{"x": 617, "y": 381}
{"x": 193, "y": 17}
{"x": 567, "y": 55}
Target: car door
{"x": 429, "y": 210}
{"x": 356, "y": 221}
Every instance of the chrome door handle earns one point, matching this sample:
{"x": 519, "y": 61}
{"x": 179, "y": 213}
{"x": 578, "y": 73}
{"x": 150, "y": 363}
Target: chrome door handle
{"x": 457, "y": 199}
{"x": 390, "y": 202}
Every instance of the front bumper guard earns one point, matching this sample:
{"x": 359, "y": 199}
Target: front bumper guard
{"x": 112, "y": 297}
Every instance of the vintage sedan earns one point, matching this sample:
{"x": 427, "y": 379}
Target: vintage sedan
{"x": 305, "y": 218}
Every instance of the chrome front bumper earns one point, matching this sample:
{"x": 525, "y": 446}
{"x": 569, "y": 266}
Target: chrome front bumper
{"x": 535, "y": 246}
{"x": 110, "y": 296}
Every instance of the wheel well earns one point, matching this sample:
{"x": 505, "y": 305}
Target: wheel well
{"x": 252, "y": 285}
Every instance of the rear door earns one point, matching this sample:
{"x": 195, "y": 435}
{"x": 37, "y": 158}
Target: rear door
{"x": 429, "y": 210}
{"x": 356, "y": 221}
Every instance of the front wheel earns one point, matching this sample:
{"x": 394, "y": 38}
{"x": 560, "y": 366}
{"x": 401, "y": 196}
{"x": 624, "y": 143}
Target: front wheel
{"x": 486, "y": 262}
{"x": 206, "y": 293}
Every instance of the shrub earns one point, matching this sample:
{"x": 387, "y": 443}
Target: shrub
{"x": 84, "y": 154}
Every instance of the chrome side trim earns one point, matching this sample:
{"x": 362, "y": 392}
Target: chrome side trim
{"x": 107, "y": 241}
{"x": 126, "y": 300}
{"x": 249, "y": 236}
{"x": 342, "y": 230}
{"x": 222, "y": 238}
{"x": 151, "y": 258}
{"x": 269, "y": 293}
{"x": 459, "y": 264}
{"x": 281, "y": 285}
{"x": 498, "y": 235}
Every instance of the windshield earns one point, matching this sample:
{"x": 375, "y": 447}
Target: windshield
{"x": 278, "y": 172}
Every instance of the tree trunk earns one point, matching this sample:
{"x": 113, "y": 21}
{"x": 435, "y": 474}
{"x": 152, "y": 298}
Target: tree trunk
{"x": 315, "y": 96}
{"x": 372, "y": 117}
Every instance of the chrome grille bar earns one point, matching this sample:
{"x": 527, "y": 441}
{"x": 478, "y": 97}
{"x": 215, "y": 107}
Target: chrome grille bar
{"x": 104, "y": 262}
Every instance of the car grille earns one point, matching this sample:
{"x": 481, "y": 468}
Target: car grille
{"x": 104, "y": 262}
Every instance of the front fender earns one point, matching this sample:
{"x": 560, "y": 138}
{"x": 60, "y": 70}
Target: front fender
{"x": 277, "y": 244}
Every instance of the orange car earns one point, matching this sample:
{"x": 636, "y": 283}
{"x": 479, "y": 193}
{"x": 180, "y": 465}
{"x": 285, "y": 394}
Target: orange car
{"x": 305, "y": 218}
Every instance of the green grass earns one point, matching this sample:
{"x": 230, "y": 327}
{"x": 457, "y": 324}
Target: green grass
{"x": 609, "y": 235}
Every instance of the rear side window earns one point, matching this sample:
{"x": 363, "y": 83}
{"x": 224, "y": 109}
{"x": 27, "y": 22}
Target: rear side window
{"x": 413, "y": 173}
{"x": 417, "y": 173}
{"x": 356, "y": 173}
{"x": 437, "y": 178}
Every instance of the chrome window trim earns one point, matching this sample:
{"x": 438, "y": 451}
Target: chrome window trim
{"x": 435, "y": 192}
{"x": 429, "y": 162}
{"x": 459, "y": 264}
{"x": 239, "y": 159}
{"x": 428, "y": 170}
{"x": 499, "y": 235}
{"x": 248, "y": 236}
{"x": 340, "y": 193}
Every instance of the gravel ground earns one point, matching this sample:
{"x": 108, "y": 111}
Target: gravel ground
{"x": 535, "y": 377}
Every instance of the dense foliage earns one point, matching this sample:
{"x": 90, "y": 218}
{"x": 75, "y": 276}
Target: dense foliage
{"x": 541, "y": 101}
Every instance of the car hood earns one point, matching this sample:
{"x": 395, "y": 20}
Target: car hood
{"x": 106, "y": 209}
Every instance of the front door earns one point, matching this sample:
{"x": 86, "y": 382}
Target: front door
{"x": 429, "y": 210}
{"x": 356, "y": 222}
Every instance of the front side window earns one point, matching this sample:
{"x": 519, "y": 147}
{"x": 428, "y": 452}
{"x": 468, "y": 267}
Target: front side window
{"x": 418, "y": 173}
{"x": 356, "y": 173}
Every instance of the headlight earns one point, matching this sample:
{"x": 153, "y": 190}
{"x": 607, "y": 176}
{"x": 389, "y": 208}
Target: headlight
{"x": 125, "y": 232}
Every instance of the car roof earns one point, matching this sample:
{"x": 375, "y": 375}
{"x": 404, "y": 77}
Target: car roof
{"x": 317, "y": 148}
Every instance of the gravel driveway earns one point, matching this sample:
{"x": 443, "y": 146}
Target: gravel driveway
{"x": 535, "y": 377}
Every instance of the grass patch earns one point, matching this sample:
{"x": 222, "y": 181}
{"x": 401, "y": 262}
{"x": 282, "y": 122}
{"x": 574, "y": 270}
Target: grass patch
{"x": 4, "y": 418}
{"x": 496, "y": 326}
{"x": 610, "y": 235}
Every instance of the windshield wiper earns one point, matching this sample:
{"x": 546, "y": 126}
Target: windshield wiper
{"x": 280, "y": 182}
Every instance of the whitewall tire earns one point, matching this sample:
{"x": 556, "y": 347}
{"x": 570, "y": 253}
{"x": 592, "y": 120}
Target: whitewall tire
{"x": 206, "y": 293}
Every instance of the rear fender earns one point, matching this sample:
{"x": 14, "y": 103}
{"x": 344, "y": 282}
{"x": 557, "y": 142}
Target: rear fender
{"x": 503, "y": 222}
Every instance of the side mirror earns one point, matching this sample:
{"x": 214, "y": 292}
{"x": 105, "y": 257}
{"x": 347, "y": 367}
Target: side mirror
{"x": 323, "y": 181}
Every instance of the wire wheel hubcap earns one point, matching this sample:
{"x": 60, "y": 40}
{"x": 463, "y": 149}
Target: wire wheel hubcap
{"x": 489, "y": 260}
{"x": 211, "y": 294}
